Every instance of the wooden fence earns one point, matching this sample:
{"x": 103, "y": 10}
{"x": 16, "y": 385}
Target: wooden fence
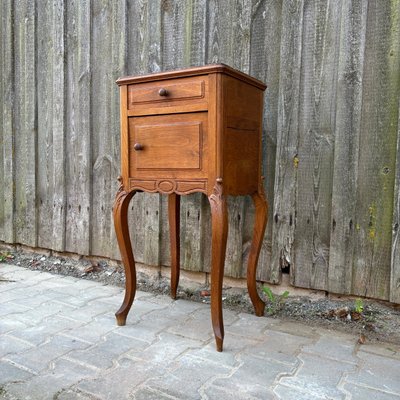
{"x": 331, "y": 131}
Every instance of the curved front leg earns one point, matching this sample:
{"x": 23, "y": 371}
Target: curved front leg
{"x": 120, "y": 213}
{"x": 260, "y": 223}
{"x": 219, "y": 220}
{"x": 174, "y": 201}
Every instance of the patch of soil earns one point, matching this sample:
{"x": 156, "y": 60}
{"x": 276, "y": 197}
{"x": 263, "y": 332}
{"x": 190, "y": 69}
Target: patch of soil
{"x": 378, "y": 321}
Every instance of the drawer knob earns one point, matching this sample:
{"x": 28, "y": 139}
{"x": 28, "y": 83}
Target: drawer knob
{"x": 163, "y": 92}
{"x": 138, "y": 146}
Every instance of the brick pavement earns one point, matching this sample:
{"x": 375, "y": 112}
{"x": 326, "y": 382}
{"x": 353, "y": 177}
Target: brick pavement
{"x": 59, "y": 340}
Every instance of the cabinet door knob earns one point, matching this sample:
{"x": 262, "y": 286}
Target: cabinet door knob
{"x": 163, "y": 92}
{"x": 138, "y": 146}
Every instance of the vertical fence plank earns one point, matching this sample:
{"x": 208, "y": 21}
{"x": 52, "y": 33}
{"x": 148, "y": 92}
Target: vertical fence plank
{"x": 315, "y": 151}
{"x": 287, "y": 138}
{"x": 144, "y": 44}
{"x": 395, "y": 259}
{"x": 102, "y": 86}
{"x": 78, "y": 130}
{"x": 59, "y": 141}
{"x": 8, "y": 79}
{"x": 25, "y": 122}
{"x": 264, "y": 64}
{"x": 347, "y": 136}
{"x": 377, "y": 161}
{"x": 45, "y": 57}
{"x": 119, "y": 68}
{"x": 2, "y": 88}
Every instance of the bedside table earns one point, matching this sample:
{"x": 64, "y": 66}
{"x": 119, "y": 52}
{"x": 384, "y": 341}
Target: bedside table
{"x": 186, "y": 131}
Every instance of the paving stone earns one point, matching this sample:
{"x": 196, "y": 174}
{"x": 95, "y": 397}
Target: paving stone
{"x": 198, "y": 326}
{"x": 279, "y": 346}
{"x": 233, "y": 345}
{"x": 32, "y": 301}
{"x": 249, "y": 326}
{"x": 44, "y": 331}
{"x": 104, "y": 354}
{"x": 214, "y": 392}
{"x": 318, "y": 376}
{"x": 254, "y": 376}
{"x": 119, "y": 382}
{"x": 11, "y": 373}
{"x": 144, "y": 393}
{"x": 289, "y": 393}
{"x": 75, "y": 395}
{"x": 366, "y": 393}
{"x": 377, "y": 372}
{"x": 12, "y": 309}
{"x": 294, "y": 327}
{"x": 39, "y": 314}
{"x": 335, "y": 346}
{"x": 10, "y": 324}
{"x": 165, "y": 349}
{"x": 94, "y": 331}
{"x": 38, "y": 358}
{"x": 382, "y": 349}
{"x": 86, "y": 313}
{"x": 47, "y": 386}
{"x": 146, "y": 329}
{"x": 10, "y": 345}
{"x": 187, "y": 377}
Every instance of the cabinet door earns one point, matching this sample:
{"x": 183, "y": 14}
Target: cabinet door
{"x": 174, "y": 146}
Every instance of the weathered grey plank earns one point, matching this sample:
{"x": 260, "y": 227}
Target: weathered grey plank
{"x": 78, "y": 129}
{"x": 377, "y": 161}
{"x": 25, "y": 135}
{"x": 102, "y": 85}
{"x": 59, "y": 127}
{"x": 145, "y": 56}
{"x": 119, "y": 68}
{"x": 229, "y": 42}
{"x": 315, "y": 151}
{"x": 2, "y": 50}
{"x": 395, "y": 259}
{"x": 45, "y": 111}
{"x": 347, "y": 137}
{"x": 264, "y": 65}
{"x": 8, "y": 79}
{"x": 184, "y": 45}
{"x": 287, "y": 139}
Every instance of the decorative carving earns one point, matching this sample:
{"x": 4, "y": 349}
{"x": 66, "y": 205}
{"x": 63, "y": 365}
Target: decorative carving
{"x": 217, "y": 194}
{"x": 121, "y": 192}
{"x": 145, "y": 185}
{"x": 187, "y": 187}
{"x": 168, "y": 186}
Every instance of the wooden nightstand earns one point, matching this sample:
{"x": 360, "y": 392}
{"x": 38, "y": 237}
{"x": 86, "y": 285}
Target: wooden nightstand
{"x": 186, "y": 131}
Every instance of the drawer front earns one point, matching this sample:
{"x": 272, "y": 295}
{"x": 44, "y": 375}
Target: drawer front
{"x": 170, "y": 145}
{"x": 174, "y": 95}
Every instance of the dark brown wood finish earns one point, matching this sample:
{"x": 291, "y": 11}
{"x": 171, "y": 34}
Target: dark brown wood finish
{"x": 186, "y": 131}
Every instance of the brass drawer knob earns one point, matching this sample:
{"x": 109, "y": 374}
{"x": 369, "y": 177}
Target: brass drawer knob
{"x": 138, "y": 146}
{"x": 163, "y": 92}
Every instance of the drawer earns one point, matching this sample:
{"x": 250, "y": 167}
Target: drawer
{"x": 175, "y": 143}
{"x": 168, "y": 96}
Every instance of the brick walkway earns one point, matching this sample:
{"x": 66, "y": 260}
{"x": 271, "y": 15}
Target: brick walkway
{"x": 59, "y": 340}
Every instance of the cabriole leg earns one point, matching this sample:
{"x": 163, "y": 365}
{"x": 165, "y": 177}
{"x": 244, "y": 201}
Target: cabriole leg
{"x": 261, "y": 216}
{"x": 219, "y": 220}
{"x": 120, "y": 213}
{"x": 174, "y": 201}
